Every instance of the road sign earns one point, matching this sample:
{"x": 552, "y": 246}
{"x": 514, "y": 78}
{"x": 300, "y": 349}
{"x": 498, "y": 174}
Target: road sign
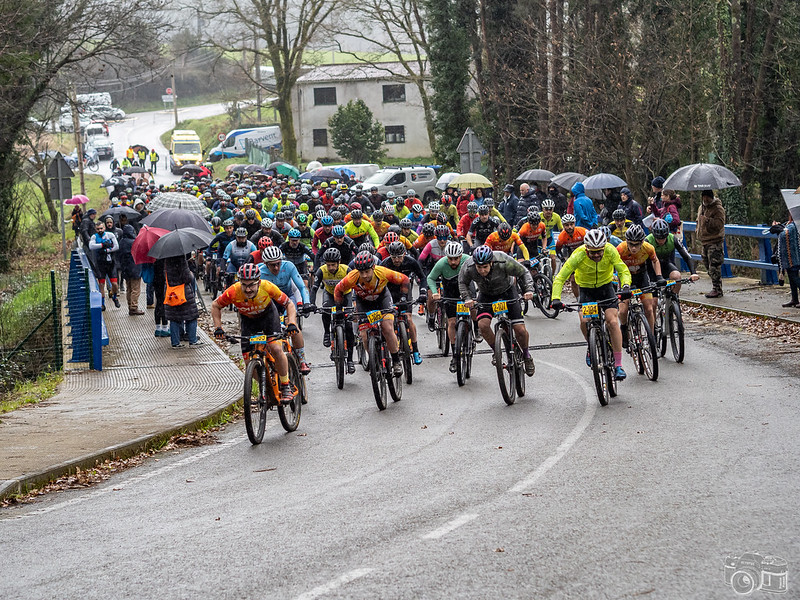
{"x": 61, "y": 189}
{"x": 471, "y": 151}
{"x": 221, "y": 137}
{"x": 58, "y": 168}
{"x": 168, "y": 99}
{"x": 169, "y": 91}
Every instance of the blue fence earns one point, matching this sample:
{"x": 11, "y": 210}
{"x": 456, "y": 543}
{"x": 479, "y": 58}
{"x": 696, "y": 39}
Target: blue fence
{"x": 769, "y": 272}
{"x": 87, "y": 328}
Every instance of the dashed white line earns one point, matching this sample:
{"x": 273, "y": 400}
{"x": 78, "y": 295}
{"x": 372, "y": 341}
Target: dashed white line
{"x": 449, "y": 526}
{"x": 334, "y": 584}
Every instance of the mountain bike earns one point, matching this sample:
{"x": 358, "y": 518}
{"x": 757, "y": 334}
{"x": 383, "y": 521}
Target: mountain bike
{"x": 669, "y": 321}
{"x": 338, "y": 341}
{"x": 464, "y": 347}
{"x": 601, "y": 353}
{"x": 542, "y": 286}
{"x": 440, "y": 327}
{"x": 380, "y": 360}
{"x": 641, "y": 341}
{"x": 262, "y": 386}
{"x": 403, "y": 338}
{"x": 509, "y": 356}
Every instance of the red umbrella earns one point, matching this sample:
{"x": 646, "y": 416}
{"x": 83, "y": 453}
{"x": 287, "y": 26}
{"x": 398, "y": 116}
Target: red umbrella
{"x": 144, "y": 242}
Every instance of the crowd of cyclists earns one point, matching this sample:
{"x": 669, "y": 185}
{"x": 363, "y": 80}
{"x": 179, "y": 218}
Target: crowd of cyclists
{"x": 288, "y": 247}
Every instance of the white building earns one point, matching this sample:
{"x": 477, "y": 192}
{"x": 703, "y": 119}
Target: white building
{"x": 396, "y": 105}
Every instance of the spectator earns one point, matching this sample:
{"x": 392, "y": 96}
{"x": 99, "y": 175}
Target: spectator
{"x": 585, "y": 214}
{"x": 153, "y": 161}
{"x": 159, "y": 288}
{"x": 657, "y": 186}
{"x": 633, "y": 211}
{"x": 87, "y": 227}
{"x": 77, "y": 218}
{"x": 669, "y": 211}
{"x": 788, "y": 255}
{"x": 129, "y": 271}
{"x": 558, "y": 198}
{"x": 179, "y": 301}
{"x": 508, "y": 204}
{"x": 612, "y": 200}
{"x": 711, "y": 235}
{"x": 527, "y": 198}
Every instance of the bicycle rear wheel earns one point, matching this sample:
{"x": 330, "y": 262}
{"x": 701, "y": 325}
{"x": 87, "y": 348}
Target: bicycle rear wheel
{"x": 441, "y": 331}
{"x": 661, "y": 327}
{"x": 405, "y": 351}
{"x": 647, "y": 349}
{"x": 519, "y": 371}
{"x": 676, "y": 330}
{"x": 339, "y": 354}
{"x": 598, "y": 368}
{"x": 504, "y": 364}
{"x": 610, "y": 366}
{"x": 255, "y": 400}
{"x": 460, "y": 351}
{"x": 635, "y": 342}
{"x": 376, "y": 373}
{"x": 290, "y": 413}
{"x": 543, "y": 288}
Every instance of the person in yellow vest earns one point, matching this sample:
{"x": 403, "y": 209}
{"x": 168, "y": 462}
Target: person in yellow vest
{"x": 126, "y": 163}
{"x": 130, "y": 155}
{"x": 142, "y": 155}
{"x": 153, "y": 161}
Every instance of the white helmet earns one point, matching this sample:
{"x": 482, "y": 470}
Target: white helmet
{"x": 595, "y": 239}
{"x": 453, "y": 250}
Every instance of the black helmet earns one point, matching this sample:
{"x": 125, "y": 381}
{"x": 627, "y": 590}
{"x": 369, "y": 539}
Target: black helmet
{"x": 332, "y": 255}
{"x": 504, "y": 231}
{"x": 618, "y": 214}
{"x": 397, "y": 248}
{"x": 483, "y": 209}
{"x": 660, "y": 228}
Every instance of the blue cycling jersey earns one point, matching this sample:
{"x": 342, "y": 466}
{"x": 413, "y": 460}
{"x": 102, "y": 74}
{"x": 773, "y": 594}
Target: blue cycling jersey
{"x": 287, "y": 275}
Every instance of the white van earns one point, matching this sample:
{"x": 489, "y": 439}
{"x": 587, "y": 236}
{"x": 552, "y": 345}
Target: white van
{"x": 400, "y": 179}
{"x": 233, "y": 146}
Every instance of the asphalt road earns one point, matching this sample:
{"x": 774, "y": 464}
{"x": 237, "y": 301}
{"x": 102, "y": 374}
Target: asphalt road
{"x": 449, "y": 493}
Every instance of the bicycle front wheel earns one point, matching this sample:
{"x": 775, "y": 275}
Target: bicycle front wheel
{"x": 676, "y": 330}
{"x": 339, "y": 355}
{"x": 376, "y": 372}
{"x": 601, "y": 382}
{"x": 441, "y": 331}
{"x": 661, "y": 328}
{"x": 94, "y": 167}
{"x": 255, "y": 401}
{"x": 405, "y": 351}
{"x": 504, "y": 364}
{"x": 647, "y": 348}
{"x": 543, "y": 288}
{"x": 289, "y": 414}
{"x": 460, "y": 352}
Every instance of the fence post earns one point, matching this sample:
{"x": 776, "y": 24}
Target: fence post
{"x": 57, "y": 347}
{"x": 89, "y": 336}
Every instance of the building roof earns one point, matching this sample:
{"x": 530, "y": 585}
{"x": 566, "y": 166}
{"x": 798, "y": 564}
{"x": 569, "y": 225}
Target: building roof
{"x": 388, "y": 71}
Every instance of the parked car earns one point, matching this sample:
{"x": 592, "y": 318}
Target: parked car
{"x": 103, "y": 145}
{"x": 400, "y": 179}
{"x": 105, "y": 112}
{"x": 65, "y": 122}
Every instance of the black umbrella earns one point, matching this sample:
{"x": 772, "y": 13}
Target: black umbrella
{"x": 180, "y": 242}
{"x": 191, "y": 169}
{"x": 132, "y": 170}
{"x": 702, "y": 176}
{"x": 137, "y": 147}
{"x": 253, "y": 169}
{"x": 176, "y": 218}
{"x": 115, "y": 181}
{"x": 116, "y": 211}
{"x": 325, "y": 174}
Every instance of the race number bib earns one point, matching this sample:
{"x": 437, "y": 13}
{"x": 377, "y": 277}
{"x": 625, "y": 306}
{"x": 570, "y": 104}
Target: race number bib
{"x": 590, "y": 310}
{"x": 500, "y": 307}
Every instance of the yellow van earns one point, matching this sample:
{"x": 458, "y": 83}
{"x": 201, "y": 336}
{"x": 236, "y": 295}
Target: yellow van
{"x": 184, "y": 149}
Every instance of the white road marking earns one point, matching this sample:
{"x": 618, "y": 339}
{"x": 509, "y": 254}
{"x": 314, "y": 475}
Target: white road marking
{"x": 449, "y": 526}
{"x": 335, "y": 583}
{"x": 569, "y": 441}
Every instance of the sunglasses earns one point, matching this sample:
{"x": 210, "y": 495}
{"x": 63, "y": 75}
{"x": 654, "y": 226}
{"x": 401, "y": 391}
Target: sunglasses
{"x": 595, "y": 252}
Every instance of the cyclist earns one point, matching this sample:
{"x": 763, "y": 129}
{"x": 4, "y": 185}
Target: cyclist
{"x": 533, "y": 232}
{"x": 369, "y": 282}
{"x": 553, "y": 226}
{"x": 283, "y": 274}
{"x": 256, "y": 257}
{"x": 434, "y": 250}
{"x": 321, "y": 233}
{"x": 427, "y": 234}
{"x": 380, "y": 226}
{"x": 298, "y": 254}
{"x": 446, "y": 270}
{"x": 481, "y": 227}
{"x": 407, "y": 231}
{"x": 567, "y": 241}
{"x": 328, "y": 276}
{"x": 496, "y": 275}
{"x": 665, "y": 245}
{"x": 464, "y": 222}
{"x": 360, "y": 230}
{"x": 306, "y": 233}
{"x": 620, "y": 223}
{"x": 504, "y": 240}
{"x": 255, "y": 300}
{"x": 593, "y": 264}
{"x": 341, "y": 242}
{"x": 638, "y": 254}
{"x": 238, "y": 251}
{"x": 402, "y": 263}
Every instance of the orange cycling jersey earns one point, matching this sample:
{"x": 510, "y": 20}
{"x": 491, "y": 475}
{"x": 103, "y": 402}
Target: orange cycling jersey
{"x": 571, "y": 241}
{"x": 267, "y": 292}
{"x": 531, "y": 234}
{"x": 371, "y": 290}
{"x": 636, "y": 262}
{"x": 422, "y": 241}
{"x": 495, "y": 243}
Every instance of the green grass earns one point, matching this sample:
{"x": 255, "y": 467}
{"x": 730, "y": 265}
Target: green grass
{"x": 21, "y": 312}
{"x": 31, "y": 392}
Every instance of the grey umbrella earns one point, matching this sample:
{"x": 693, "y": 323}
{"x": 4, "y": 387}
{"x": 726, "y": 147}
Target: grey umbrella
{"x": 567, "y": 180}
{"x": 536, "y": 175}
{"x": 115, "y": 181}
{"x": 132, "y": 170}
{"x": 180, "y": 200}
{"x": 176, "y": 218}
{"x": 180, "y": 242}
{"x": 603, "y": 181}
{"x": 701, "y": 176}
{"x": 115, "y": 212}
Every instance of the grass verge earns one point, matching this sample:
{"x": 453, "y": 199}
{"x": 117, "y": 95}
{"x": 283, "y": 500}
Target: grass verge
{"x": 31, "y": 392}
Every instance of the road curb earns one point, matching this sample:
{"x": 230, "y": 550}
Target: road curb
{"x": 23, "y": 485}
{"x": 748, "y": 313}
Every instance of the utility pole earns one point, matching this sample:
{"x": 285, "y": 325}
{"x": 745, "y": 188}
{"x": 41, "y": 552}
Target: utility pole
{"x": 174, "y": 99}
{"x": 258, "y": 78}
{"x": 76, "y": 128}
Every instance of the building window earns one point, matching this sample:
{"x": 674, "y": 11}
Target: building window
{"x": 394, "y": 93}
{"x": 395, "y": 134}
{"x": 320, "y": 137}
{"x": 325, "y": 96}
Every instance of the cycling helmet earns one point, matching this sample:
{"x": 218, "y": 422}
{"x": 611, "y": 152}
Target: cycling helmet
{"x": 377, "y": 216}
{"x": 367, "y": 246}
{"x": 271, "y": 254}
{"x": 320, "y": 214}
{"x": 364, "y": 261}
{"x": 548, "y": 204}
{"x": 411, "y": 193}
{"x": 472, "y": 208}
{"x": 356, "y": 214}
{"x": 323, "y": 185}
{"x": 635, "y": 233}
{"x": 395, "y": 228}
{"x": 417, "y": 208}
{"x": 595, "y": 239}
{"x": 434, "y": 206}
{"x": 315, "y": 195}
{"x": 332, "y": 255}
{"x": 264, "y": 241}
{"x": 267, "y": 223}
{"x": 606, "y": 231}
{"x": 441, "y": 218}
{"x": 355, "y": 206}
{"x": 241, "y": 232}
{"x": 660, "y": 228}
{"x": 304, "y": 190}
{"x": 337, "y": 215}
{"x": 488, "y": 202}
{"x": 618, "y": 214}
{"x": 338, "y": 231}
{"x": 397, "y": 248}
{"x": 442, "y": 232}
{"x": 534, "y": 218}
{"x": 389, "y": 195}
{"x": 567, "y": 219}
{"x": 406, "y": 223}
{"x": 504, "y": 231}
{"x": 428, "y": 230}
{"x": 252, "y": 196}
{"x": 482, "y": 255}
{"x": 302, "y": 219}
{"x": 327, "y": 220}
{"x": 250, "y": 213}
{"x": 227, "y": 223}
{"x": 303, "y": 207}
{"x": 295, "y": 233}
{"x": 389, "y": 209}
{"x": 391, "y": 236}
{"x": 453, "y": 250}
{"x": 280, "y": 216}
{"x": 249, "y": 271}
{"x": 483, "y": 209}
{"x": 215, "y": 221}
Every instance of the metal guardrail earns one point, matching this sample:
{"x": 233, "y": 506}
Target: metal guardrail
{"x": 769, "y": 271}
{"x": 85, "y": 313}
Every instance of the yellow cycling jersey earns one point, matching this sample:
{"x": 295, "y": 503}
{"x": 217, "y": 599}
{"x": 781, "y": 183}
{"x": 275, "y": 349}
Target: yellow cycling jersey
{"x": 551, "y": 224}
{"x": 354, "y": 231}
{"x": 591, "y": 274}
{"x": 329, "y": 280}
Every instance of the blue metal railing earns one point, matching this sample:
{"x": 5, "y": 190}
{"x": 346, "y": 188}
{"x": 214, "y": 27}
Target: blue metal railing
{"x": 87, "y": 328}
{"x": 769, "y": 271}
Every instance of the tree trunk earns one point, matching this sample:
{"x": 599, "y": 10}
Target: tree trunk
{"x": 284, "y": 106}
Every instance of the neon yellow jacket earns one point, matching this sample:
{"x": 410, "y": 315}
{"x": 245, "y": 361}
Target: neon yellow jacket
{"x": 590, "y": 274}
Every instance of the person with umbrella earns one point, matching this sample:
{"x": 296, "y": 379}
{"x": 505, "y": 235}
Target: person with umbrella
{"x": 559, "y": 199}
{"x": 129, "y": 271}
{"x": 633, "y": 210}
{"x": 180, "y": 307}
{"x": 711, "y": 235}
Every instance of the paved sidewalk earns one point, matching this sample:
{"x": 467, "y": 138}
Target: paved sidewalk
{"x": 146, "y": 391}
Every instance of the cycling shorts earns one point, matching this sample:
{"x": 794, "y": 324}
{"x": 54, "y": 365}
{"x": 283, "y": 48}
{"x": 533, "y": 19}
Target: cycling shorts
{"x": 484, "y": 308}
{"x": 106, "y": 270}
{"x": 267, "y": 322}
{"x": 600, "y": 294}
{"x": 667, "y": 267}
{"x": 382, "y": 302}
{"x": 327, "y": 299}
{"x": 641, "y": 280}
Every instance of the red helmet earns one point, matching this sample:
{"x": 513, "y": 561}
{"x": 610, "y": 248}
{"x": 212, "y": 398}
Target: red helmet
{"x": 249, "y": 271}
{"x": 391, "y": 236}
{"x": 364, "y": 260}
{"x": 264, "y": 241}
